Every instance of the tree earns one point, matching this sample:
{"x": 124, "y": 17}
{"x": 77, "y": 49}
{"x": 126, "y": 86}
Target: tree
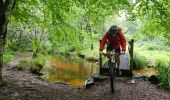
{"x": 5, "y": 9}
{"x": 66, "y": 20}
{"x": 155, "y": 14}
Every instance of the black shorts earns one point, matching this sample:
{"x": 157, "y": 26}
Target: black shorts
{"x": 110, "y": 48}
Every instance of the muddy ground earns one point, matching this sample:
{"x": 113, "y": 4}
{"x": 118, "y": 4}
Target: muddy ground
{"x": 23, "y": 85}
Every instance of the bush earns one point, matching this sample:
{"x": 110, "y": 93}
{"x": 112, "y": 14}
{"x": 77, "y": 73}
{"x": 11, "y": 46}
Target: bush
{"x": 36, "y": 68}
{"x": 164, "y": 74}
{"x": 8, "y": 55}
{"x": 22, "y": 65}
{"x": 139, "y": 61}
{"x": 37, "y": 65}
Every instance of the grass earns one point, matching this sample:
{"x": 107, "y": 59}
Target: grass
{"x": 8, "y": 55}
{"x": 157, "y": 50}
{"x": 23, "y": 64}
{"x": 140, "y": 61}
{"x": 90, "y": 53}
{"x": 164, "y": 75}
{"x": 39, "y": 63}
{"x": 36, "y": 64}
{"x": 156, "y": 56}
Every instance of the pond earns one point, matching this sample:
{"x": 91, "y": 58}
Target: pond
{"x": 72, "y": 70}
{"x": 75, "y": 71}
{"x": 147, "y": 71}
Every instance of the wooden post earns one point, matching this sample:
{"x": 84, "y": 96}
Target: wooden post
{"x": 131, "y": 43}
{"x": 100, "y": 59}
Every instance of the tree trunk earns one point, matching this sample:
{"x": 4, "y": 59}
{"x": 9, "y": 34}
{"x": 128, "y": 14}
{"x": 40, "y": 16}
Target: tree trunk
{"x": 5, "y": 9}
{"x": 1, "y": 57}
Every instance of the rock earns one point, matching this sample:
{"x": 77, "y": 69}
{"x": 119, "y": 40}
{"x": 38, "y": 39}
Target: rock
{"x": 15, "y": 94}
{"x": 154, "y": 79}
{"x": 132, "y": 81}
{"x": 89, "y": 82}
{"x": 4, "y": 90}
{"x": 127, "y": 73}
{"x": 140, "y": 76}
{"x": 98, "y": 77}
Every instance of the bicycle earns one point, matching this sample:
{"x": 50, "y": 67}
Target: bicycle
{"x": 112, "y": 63}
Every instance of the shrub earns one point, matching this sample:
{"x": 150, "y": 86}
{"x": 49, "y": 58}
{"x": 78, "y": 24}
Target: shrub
{"x": 8, "y": 55}
{"x": 36, "y": 68}
{"x": 164, "y": 74}
{"x": 139, "y": 61}
{"x": 37, "y": 65}
{"x": 22, "y": 65}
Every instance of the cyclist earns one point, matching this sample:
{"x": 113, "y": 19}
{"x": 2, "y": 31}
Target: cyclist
{"x": 115, "y": 41}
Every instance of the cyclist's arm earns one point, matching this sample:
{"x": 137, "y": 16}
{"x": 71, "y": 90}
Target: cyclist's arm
{"x": 103, "y": 42}
{"x": 122, "y": 40}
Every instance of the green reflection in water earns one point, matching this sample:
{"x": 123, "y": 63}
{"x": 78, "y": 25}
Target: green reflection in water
{"x": 72, "y": 70}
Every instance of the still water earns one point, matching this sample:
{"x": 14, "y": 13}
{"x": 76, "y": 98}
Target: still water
{"x": 75, "y": 71}
{"x": 71, "y": 70}
{"x": 147, "y": 71}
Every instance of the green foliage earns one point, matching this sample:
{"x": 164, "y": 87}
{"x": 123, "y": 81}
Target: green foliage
{"x": 11, "y": 44}
{"x": 38, "y": 64}
{"x": 35, "y": 46}
{"x": 163, "y": 72}
{"x": 154, "y": 14}
{"x": 137, "y": 36}
{"x": 139, "y": 61}
{"x": 144, "y": 42}
{"x": 8, "y": 55}
{"x": 62, "y": 26}
{"x": 152, "y": 28}
{"x": 70, "y": 24}
{"x": 23, "y": 64}
{"x": 36, "y": 68}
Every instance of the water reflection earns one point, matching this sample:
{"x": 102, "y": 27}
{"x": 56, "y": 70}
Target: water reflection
{"x": 71, "y": 70}
{"x": 148, "y": 71}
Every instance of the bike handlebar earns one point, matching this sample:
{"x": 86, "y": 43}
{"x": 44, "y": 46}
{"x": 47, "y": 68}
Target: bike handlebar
{"x": 112, "y": 54}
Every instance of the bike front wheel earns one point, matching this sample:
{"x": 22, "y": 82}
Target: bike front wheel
{"x": 112, "y": 78}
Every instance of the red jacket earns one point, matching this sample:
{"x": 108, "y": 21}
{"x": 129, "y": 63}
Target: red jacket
{"x": 116, "y": 41}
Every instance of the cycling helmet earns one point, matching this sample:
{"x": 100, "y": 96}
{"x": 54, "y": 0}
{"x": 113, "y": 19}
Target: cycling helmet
{"x": 113, "y": 30}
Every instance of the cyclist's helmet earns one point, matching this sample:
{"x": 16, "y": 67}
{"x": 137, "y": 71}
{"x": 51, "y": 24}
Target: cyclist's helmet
{"x": 113, "y": 30}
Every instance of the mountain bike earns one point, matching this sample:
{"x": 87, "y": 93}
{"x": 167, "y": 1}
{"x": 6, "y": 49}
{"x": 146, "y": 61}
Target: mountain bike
{"x": 112, "y": 63}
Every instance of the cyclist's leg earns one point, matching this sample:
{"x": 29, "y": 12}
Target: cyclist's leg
{"x": 109, "y": 49}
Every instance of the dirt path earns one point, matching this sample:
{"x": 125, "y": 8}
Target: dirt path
{"x": 22, "y": 85}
